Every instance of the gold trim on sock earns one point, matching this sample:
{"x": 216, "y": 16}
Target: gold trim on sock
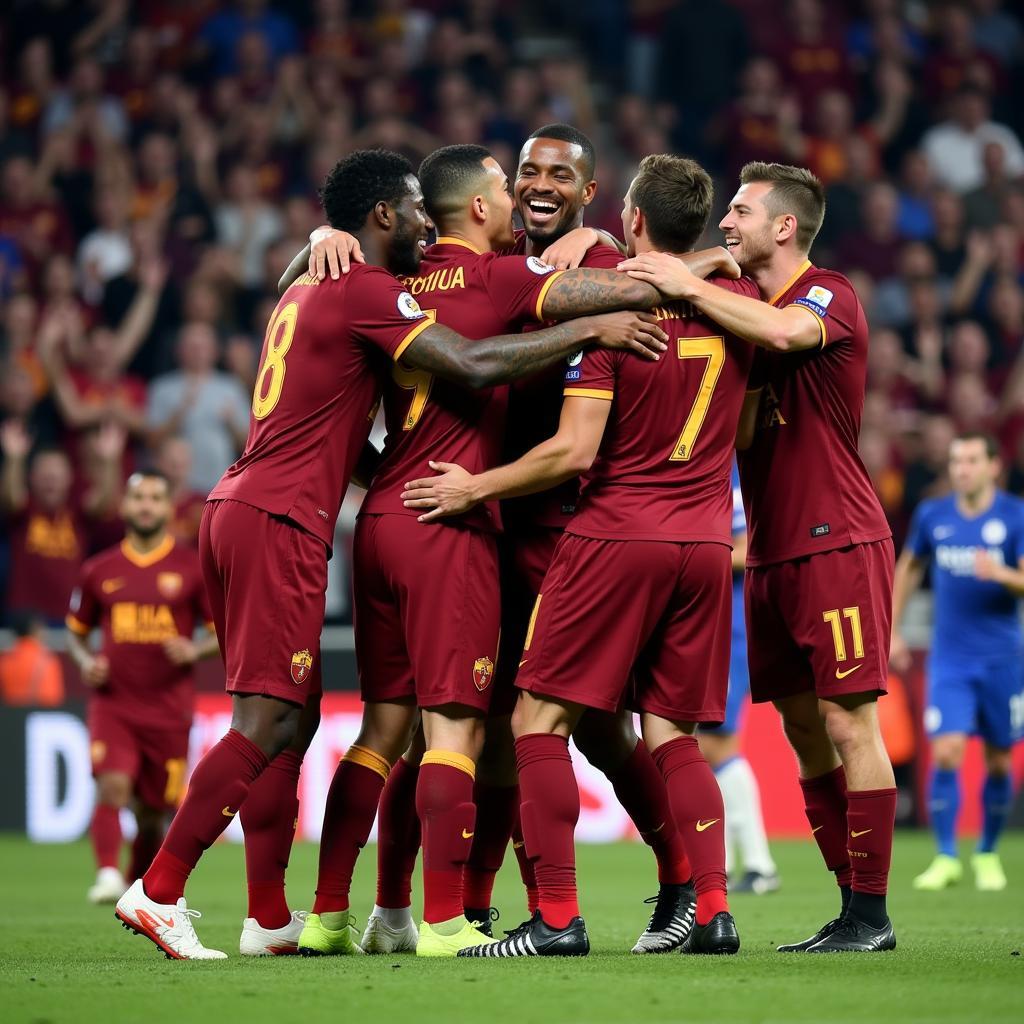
{"x": 368, "y": 758}
{"x": 452, "y": 759}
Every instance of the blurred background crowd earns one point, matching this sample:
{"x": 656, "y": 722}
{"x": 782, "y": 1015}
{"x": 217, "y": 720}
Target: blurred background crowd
{"x": 159, "y": 165}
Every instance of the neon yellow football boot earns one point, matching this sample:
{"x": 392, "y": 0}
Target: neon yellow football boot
{"x": 943, "y": 872}
{"x": 988, "y": 872}
{"x": 319, "y": 940}
{"x": 433, "y": 941}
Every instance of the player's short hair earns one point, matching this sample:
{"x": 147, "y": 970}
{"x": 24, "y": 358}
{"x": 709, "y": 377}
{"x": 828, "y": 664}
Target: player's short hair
{"x": 149, "y": 473}
{"x": 357, "y": 183}
{"x": 449, "y": 176}
{"x": 992, "y": 449}
{"x": 675, "y": 195}
{"x": 795, "y": 190}
{"x": 566, "y": 133}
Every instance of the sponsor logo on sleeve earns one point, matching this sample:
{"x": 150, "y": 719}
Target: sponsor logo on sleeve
{"x": 76, "y": 600}
{"x": 409, "y": 307}
{"x": 538, "y": 266}
{"x": 574, "y": 373}
{"x": 816, "y": 300}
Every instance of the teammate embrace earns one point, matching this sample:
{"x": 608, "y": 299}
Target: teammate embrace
{"x": 632, "y": 587}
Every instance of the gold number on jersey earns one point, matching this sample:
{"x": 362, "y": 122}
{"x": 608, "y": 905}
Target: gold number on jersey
{"x": 834, "y": 617}
{"x": 175, "y": 786}
{"x": 270, "y": 379}
{"x": 713, "y": 350}
{"x": 419, "y": 382}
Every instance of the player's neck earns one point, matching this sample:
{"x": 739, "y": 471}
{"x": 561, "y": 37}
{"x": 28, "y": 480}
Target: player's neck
{"x": 773, "y": 277}
{"x": 471, "y": 236}
{"x": 144, "y": 545}
{"x": 538, "y": 246}
{"x": 973, "y": 505}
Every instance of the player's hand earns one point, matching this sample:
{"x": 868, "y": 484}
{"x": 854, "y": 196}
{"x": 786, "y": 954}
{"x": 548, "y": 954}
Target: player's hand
{"x": 638, "y": 332}
{"x": 899, "y": 653}
{"x": 15, "y": 440}
{"x": 671, "y": 276}
{"x": 334, "y": 250}
{"x": 180, "y": 650}
{"x": 727, "y": 265}
{"x": 986, "y": 567}
{"x": 571, "y": 249}
{"x": 96, "y": 672}
{"x": 448, "y": 494}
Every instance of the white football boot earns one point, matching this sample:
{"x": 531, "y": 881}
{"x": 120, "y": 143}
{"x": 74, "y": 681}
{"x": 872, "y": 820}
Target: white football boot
{"x": 259, "y": 941}
{"x": 109, "y": 886}
{"x": 167, "y": 925}
{"x": 390, "y": 931}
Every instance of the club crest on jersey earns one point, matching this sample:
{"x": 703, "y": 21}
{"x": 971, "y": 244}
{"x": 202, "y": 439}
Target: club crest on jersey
{"x": 169, "y": 584}
{"x": 409, "y": 307}
{"x": 302, "y": 665}
{"x": 483, "y": 672}
{"x": 538, "y": 266}
{"x": 97, "y": 751}
{"x": 994, "y": 531}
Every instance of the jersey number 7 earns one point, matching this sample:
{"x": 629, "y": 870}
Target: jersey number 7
{"x": 713, "y": 350}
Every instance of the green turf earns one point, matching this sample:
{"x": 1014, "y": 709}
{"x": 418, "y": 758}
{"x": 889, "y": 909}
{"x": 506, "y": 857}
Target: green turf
{"x": 64, "y": 961}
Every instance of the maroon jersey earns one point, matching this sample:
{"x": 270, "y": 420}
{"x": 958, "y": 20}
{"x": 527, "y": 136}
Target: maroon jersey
{"x": 663, "y": 471}
{"x": 47, "y": 549}
{"x": 320, "y": 375}
{"x": 478, "y": 295}
{"x": 534, "y": 406}
{"x": 805, "y": 488}
{"x": 140, "y": 601}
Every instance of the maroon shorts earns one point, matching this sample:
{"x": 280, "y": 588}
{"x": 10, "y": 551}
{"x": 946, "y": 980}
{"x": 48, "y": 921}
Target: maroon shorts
{"x": 427, "y": 611}
{"x": 657, "y": 609}
{"x": 525, "y": 557}
{"x": 155, "y": 759}
{"x": 265, "y": 579}
{"x": 821, "y": 623}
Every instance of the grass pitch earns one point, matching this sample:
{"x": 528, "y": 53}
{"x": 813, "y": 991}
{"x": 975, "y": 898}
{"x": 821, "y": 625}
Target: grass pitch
{"x": 62, "y": 960}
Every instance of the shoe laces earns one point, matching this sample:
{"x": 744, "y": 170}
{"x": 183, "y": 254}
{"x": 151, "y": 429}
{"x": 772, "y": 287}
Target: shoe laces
{"x": 183, "y": 927}
{"x": 519, "y": 928}
{"x": 665, "y": 904}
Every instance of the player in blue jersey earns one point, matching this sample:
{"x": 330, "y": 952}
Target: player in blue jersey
{"x": 744, "y": 823}
{"x": 974, "y": 541}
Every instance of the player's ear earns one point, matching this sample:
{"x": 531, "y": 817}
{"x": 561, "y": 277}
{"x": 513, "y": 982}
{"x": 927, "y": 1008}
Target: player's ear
{"x": 479, "y": 208}
{"x": 637, "y": 224}
{"x": 589, "y": 191}
{"x": 785, "y": 227}
{"x": 383, "y": 215}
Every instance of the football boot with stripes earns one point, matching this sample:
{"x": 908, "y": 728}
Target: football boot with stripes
{"x": 672, "y": 920}
{"x": 536, "y": 938}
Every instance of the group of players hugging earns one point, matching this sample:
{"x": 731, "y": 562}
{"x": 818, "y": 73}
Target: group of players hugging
{"x": 543, "y": 551}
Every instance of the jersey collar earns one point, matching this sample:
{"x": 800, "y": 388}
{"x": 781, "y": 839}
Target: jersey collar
{"x": 144, "y": 560}
{"x": 460, "y": 242}
{"x": 797, "y": 274}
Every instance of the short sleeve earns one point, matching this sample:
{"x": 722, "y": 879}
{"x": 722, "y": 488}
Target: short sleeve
{"x": 517, "y": 285}
{"x": 919, "y": 541}
{"x": 83, "y": 606}
{"x": 738, "y": 286}
{"x": 591, "y": 374}
{"x": 834, "y": 307}
{"x": 602, "y": 257}
{"x": 383, "y": 314}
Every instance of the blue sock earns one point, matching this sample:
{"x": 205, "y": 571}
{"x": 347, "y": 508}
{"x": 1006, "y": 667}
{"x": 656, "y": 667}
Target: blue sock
{"x": 943, "y": 807}
{"x": 996, "y": 798}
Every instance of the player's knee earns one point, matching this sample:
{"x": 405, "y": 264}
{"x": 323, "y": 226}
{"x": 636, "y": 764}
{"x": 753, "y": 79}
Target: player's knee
{"x": 149, "y": 820}
{"x": 309, "y": 722}
{"x": 496, "y": 765}
{"x": 998, "y": 761}
{"x": 114, "y": 790}
{"x": 607, "y": 741}
{"x": 948, "y": 751}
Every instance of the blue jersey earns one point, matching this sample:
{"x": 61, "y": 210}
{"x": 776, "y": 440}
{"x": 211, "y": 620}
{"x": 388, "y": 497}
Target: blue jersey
{"x": 973, "y": 618}
{"x": 739, "y": 527}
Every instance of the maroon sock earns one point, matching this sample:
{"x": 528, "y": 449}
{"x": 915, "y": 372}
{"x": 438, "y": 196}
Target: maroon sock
{"x": 825, "y": 807}
{"x": 269, "y": 816}
{"x": 144, "y": 849}
{"x": 444, "y": 802}
{"x": 699, "y": 814}
{"x": 348, "y": 817}
{"x": 871, "y": 817}
{"x": 549, "y": 809}
{"x": 398, "y": 836}
{"x": 105, "y": 833}
{"x": 497, "y": 808}
{"x": 641, "y": 791}
{"x": 216, "y": 791}
{"x": 526, "y": 872}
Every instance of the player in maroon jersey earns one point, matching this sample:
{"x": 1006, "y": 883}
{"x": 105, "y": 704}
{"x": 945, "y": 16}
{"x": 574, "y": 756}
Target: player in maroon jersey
{"x": 267, "y": 531}
{"x": 820, "y": 559}
{"x": 654, "y": 520}
{"x": 146, "y": 596}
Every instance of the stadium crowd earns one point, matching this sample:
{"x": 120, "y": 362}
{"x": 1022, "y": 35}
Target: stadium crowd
{"x": 159, "y": 166}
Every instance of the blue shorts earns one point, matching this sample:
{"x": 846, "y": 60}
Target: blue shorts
{"x": 739, "y": 689}
{"x": 979, "y": 697}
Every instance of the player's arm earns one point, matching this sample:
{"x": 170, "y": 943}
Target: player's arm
{"x": 739, "y": 551}
{"x": 570, "y": 452}
{"x": 586, "y": 291}
{"x": 507, "y": 357}
{"x": 747, "y": 426}
{"x": 790, "y": 329}
{"x": 183, "y": 650}
{"x": 369, "y": 462}
{"x": 15, "y": 444}
{"x": 987, "y": 568}
{"x": 95, "y": 668}
{"x": 910, "y": 569}
{"x": 328, "y": 251}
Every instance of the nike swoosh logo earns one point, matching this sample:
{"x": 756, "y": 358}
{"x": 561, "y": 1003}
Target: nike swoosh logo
{"x": 109, "y": 586}
{"x": 702, "y": 826}
{"x": 818, "y": 829}
{"x": 228, "y": 813}
{"x": 467, "y": 835}
{"x": 848, "y": 672}
{"x": 857, "y": 835}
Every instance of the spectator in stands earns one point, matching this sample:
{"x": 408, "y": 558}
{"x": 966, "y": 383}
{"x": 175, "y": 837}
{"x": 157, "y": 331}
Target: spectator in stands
{"x": 876, "y": 247}
{"x": 202, "y": 404}
{"x": 30, "y": 673}
{"x": 983, "y": 205}
{"x": 174, "y": 460}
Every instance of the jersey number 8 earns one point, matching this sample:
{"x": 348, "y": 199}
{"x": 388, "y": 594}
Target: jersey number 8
{"x": 270, "y": 379}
